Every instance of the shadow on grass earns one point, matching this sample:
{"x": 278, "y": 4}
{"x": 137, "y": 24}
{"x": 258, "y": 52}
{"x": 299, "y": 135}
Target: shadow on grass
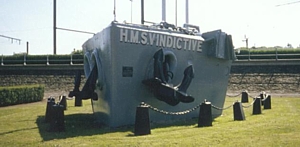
{"x": 4, "y": 133}
{"x": 174, "y": 123}
{"x": 85, "y": 125}
{"x": 76, "y": 125}
{"x": 167, "y": 124}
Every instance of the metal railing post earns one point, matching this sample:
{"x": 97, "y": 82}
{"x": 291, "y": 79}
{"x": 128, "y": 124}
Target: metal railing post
{"x": 276, "y": 54}
{"x": 248, "y": 54}
{"x": 2, "y": 60}
{"x": 71, "y": 63}
{"x": 47, "y": 60}
{"x": 24, "y": 59}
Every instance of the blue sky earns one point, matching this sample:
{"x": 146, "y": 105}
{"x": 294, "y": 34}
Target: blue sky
{"x": 32, "y": 20}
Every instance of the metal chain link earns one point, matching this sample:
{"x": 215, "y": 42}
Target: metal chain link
{"x": 196, "y": 107}
{"x": 250, "y": 104}
{"x": 170, "y": 113}
{"x": 218, "y": 108}
{"x": 265, "y": 97}
{"x": 234, "y": 95}
{"x": 253, "y": 96}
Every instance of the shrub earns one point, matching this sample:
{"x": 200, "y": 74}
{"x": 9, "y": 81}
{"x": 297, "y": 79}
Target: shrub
{"x": 21, "y": 94}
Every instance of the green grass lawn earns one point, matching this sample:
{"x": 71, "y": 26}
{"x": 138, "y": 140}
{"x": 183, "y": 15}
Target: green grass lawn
{"x": 23, "y": 125}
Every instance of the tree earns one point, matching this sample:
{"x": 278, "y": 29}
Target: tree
{"x": 80, "y": 52}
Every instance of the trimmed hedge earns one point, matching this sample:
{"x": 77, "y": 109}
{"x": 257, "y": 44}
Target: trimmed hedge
{"x": 21, "y": 94}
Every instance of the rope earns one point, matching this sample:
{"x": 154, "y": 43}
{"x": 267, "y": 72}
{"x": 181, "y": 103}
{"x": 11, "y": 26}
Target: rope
{"x": 170, "y": 113}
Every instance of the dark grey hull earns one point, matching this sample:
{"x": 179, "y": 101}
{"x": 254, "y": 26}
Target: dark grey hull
{"x": 123, "y": 55}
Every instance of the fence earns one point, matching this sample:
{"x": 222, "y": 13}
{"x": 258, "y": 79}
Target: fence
{"x": 142, "y": 122}
{"x": 41, "y": 60}
{"x": 78, "y": 59}
{"x": 273, "y": 57}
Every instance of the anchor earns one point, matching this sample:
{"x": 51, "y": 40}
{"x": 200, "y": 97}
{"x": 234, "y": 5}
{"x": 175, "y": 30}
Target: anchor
{"x": 165, "y": 91}
{"x": 88, "y": 89}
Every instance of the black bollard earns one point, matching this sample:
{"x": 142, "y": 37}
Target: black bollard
{"x": 63, "y": 102}
{"x": 205, "y": 116}
{"x": 244, "y": 97}
{"x": 267, "y": 102}
{"x": 257, "y": 106}
{"x": 142, "y": 122}
{"x": 49, "y": 114}
{"x": 262, "y": 97}
{"x": 58, "y": 122}
{"x": 59, "y": 99}
{"x": 78, "y": 101}
{"x": 238, "y": 111}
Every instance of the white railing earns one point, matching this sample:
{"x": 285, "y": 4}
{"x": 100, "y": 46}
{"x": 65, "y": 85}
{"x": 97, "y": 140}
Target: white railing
{"x": 269, "y": 57}
{"x": 39, "y": 61}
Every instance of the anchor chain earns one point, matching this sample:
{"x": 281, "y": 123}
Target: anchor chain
{"x": 218, "y": 108}
{"x": 170, "y": 113}
{"x": 196, "y": 107}
{"x": 250, "y": 104}
{"x": 253, "y": 96}
{"x": 234, "y": 95}
{"x": 265, "y": 97}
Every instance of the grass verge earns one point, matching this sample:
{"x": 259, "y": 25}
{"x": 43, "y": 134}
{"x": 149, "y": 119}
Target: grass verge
{"x": 23, "y": 125}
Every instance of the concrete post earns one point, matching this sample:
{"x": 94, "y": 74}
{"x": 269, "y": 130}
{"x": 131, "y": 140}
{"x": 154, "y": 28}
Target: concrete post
{"x": 257, "y": 106}
{"x": 267, "y": 102}
{"x": 238, "y": 111}
{"x": 63, "y": 102}
{"x": 244, "y": 97}
{"x": 58, "y": 123}
{"x": 142, "y": 122}
{"x": 49, "y": 114}
{"x": 205, "y": 115}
